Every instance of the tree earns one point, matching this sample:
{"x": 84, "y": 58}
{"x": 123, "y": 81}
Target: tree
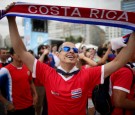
{"x": 70, "y": 39}
{"x": 79, "y": 39}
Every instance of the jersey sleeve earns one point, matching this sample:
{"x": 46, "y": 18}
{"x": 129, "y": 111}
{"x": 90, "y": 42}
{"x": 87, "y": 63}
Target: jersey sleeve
{"x": 122, "y": 79}
{"x": 30, "y": 77}
{"x": 96, "y": 76}
{"x": 41, "y": 71}
{"x": 3, "y": 76}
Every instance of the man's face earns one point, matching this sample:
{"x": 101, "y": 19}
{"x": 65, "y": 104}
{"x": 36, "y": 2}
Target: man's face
{"x": 92, "y": 51}
{"x": 54, "y": 48}
{"x": 16, "y": 57}
{"x": 42, "y": 49}
{"x": 87, "y": 54}
{"x": 3, "y": 54}
{"x": 68, "y": 53}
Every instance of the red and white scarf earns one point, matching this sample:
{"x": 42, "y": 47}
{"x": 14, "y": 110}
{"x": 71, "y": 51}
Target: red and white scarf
{"x": 94, "y": 16}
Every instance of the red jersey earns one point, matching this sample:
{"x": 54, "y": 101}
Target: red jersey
{"x": 90, "y": 90}
{"x": 0, "y": 65}
{"x": 17, "y": 85}
{"x": 122, "y": 80}
{"x": 3, "y": 64}
{"x": 67, "y": 96}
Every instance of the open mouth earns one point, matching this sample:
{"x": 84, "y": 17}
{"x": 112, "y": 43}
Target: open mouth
{"x": 70, "y": 57}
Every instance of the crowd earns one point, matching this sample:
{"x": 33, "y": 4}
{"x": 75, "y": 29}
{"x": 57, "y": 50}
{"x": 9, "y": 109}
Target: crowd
{"x": 60, "y": 81}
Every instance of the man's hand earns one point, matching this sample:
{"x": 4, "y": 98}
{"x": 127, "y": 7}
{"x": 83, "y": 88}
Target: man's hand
{"x": 46, "y": 52}
{"x": 35, "y": 99}
{"x": 10, "y": 107}
{"x": 81, "y": 56}
{"x": 8, "y": 7}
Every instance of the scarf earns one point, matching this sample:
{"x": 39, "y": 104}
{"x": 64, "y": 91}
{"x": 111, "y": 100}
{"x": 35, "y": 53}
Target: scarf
{"x": 119, "y": 42}
{"x": 81, "y": 15}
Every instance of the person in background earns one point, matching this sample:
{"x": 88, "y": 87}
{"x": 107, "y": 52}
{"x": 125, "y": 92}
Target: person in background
{"x": 122, "y": 88}
{"x": 39, "y": 87}
{"x": 20, "y": 90}
{"x": 3, "y": 62}
{"x": 93, "y": 55}
{"x": 4, "y": 55}
{"x": 55, "y": 55}
{"x": 82, "y": 48}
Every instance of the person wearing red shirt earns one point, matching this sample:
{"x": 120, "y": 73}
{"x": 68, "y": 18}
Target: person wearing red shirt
{"x": 67, "y": 89}
{"x": 3, "y": 62}
{"x": 3, "y": 57}
{"x": 122, "y": 89}
{"x": 20, "y": 90}
{"x": 39, "y": 87}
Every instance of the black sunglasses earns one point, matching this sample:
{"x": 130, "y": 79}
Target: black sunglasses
{"x": 67, "y": 49}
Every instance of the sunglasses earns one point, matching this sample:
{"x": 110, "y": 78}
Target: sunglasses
{"x": 67, "y": 49}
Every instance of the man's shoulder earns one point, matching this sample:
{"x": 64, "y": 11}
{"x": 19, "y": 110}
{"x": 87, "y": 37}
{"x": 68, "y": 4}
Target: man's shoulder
{"x": 121, "y": 73}
{"x": 123, "y": 69}
{"x": 9, "y": 67}
{"x": 4, "y": 71}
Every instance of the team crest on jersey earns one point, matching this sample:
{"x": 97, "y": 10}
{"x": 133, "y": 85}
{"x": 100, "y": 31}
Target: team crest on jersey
{"x": 76, "y": 93}
{"x": 28, "y": 73}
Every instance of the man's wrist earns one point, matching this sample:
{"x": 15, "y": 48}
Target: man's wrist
{"x": 7, "y": 104}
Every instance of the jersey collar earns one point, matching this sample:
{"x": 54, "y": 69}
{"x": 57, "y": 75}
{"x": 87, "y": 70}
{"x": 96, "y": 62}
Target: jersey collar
{"x": 72, "y": 70}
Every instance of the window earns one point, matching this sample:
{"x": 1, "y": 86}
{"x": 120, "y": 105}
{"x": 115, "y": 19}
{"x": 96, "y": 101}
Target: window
{"x": 39, "y": 25}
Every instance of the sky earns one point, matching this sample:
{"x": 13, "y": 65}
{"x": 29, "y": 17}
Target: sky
{"x": 103, "y": 4}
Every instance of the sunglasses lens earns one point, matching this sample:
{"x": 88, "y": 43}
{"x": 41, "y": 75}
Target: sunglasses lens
{"x": 75, "y": 50}
{"x": 66, "y": 49}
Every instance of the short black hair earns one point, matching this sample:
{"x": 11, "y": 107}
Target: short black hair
{"x": 40, "y": 47}
{"x": 11, "y": 51}
{"x": 101, "y": 50}
{"x": 54, "y": 45}
{"x": 31, "y": 51}
{"x": 60, "y": 48}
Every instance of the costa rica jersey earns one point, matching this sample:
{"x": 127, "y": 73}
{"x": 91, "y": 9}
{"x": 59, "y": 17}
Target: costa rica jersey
{"x": 17, "y": 85}
{"x": 122, "y": 80}
{"x": 67, "y": 96}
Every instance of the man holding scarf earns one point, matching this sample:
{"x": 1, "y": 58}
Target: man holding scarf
{"x": 67, "y": 88}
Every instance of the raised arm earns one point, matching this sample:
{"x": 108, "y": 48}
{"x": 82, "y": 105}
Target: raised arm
{"x": 18, "y": 44}
{"x": 105, "y": 57}
{"x": 45, "y": 53}
{"x": 122, "y": 58}
{"x": 83, "y": 40}
{"x": 88, "y": 60}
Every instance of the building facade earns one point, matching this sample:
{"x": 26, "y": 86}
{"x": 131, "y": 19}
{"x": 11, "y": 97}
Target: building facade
{"x": 112, "y": 32}
{"x": 127, "y": 5}
{"x": 38, "y": 32}
{"x": 92, "y": 34}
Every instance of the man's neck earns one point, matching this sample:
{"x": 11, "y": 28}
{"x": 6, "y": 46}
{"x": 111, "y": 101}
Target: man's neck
{"x": 17, "y": 64}
{"x": 67, "y": 67}
{"x": 3, "y": 60}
